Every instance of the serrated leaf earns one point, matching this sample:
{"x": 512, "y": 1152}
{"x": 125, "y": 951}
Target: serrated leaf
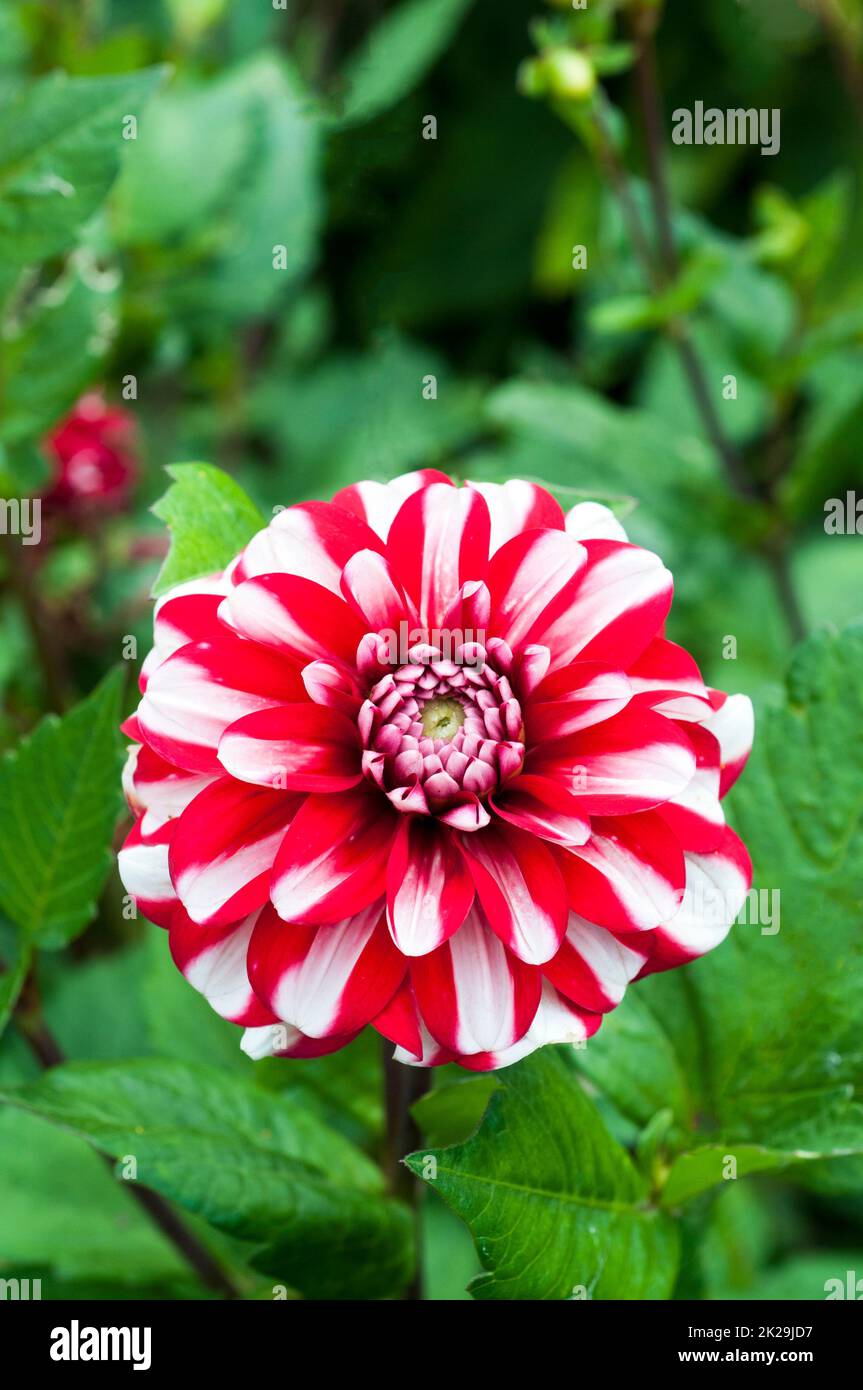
{"x": 553, "y": 1202}
{"x": 397, "y": 54}
{"x": 61, "y": 141}
{"x": 256, "y": 1165}
{"x": 59, "y": 803}
{"x": 210, "y": 518}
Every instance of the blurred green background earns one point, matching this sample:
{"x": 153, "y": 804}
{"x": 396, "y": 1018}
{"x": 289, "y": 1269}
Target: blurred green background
{"x": 303, "y": 127}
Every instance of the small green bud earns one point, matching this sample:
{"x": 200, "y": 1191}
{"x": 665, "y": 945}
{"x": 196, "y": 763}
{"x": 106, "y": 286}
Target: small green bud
{"x": 570, "y": 75}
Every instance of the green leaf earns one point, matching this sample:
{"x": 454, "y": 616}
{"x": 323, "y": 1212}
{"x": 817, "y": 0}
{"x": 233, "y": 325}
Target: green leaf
{"x": 397, "y": 54}
{"x": 210, "y": 518}
{"x": 453, "y": 1110}
{"x": 59, "y": 803}
{"x": 553, "y": 1202}
{"x": 255, "y": 1165}
{"x": 61, "y": 141}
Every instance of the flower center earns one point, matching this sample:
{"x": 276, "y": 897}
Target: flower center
{"x": 442, "y": 719}
{"x": 440, "y": 736}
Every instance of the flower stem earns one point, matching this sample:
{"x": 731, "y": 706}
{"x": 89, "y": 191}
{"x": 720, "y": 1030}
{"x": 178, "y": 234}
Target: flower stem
{"x": 48, "y": 1052}
{"x": 403, "y": 1086}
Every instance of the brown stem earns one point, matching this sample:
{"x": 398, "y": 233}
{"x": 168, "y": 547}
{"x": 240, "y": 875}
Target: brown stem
{"x": 403, "y": 1085}
{"x": 647, "y": 79}
{"x": 48, "y": 1052}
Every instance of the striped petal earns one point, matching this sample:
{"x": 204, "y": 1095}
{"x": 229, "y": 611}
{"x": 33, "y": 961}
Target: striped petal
{"x": 473, "y": 994}
{"x": 574, "y": 699}
{"x": 375, "y": 593}
{"x": 223, "y": 849}
{"x": 716, "y": 888}
{"x": 332, "y": 862}
{"x": 521, "y": 890}
{"x": 293, "y": 747}
{"x": 213, "y": 960}
{"x": 186, "y": 613}
{"x": 143, "y": 867}
{"x": 517, "y": 506}
{"x": 312, "y": 539}
{"x": 544, "y": 808}
{"x": 325, "y": 980}
{"x": 378, "y": 503}
{"x": 194, "y": 695}
{"x": 695, "y": 814}
{"x": 630, "y": 875}
{"x": 622, "y": 601}
{"x": 437, "y": 542}
{"x": 533, "y": 579}
{"x": 630, "y": 763}
{"x": 296, "y": 616}
{"x": 593, "y": 968}
{"x": 282, "y": 1040}
{"x": 666, "y": 678}
{"x": 158, "y": 789}
{"x": 733, "y": 727}
{"x": 557, "y": 1020}
{"x": 429, "y": 888}
{"x": 591, "y": 521}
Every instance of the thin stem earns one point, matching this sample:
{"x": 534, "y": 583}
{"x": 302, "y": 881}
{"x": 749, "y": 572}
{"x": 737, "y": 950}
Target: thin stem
{"x": 647, "y": 80}
{"x": 403, "y": 1085}
{"x": 48, "y": 1052}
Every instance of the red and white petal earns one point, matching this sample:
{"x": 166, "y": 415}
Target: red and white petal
{"x": 312, "y": 539}
{"x": 437, "y": 542}
{"x": 282, "y": 1040}
{"x": 334, "y": 686}
{"x": 630, "y": 875}
{"x": 630, "y": 763}
{"x": 666, "y": 678}
{"x": 429, "y": 887}
{"x": 158, "y": 788}
{"x": 325, "y": 980}
{"x": 695, "y": 814}
{"x": 520, "y": 888}
{"x": 574, "y": 699}
{"x": 533, "y": 579}
{"x": 622, "y": 601}
{"x": 472, "y": 993}
{"x": 296, "y": 616}
{"x": 400, "y": 1022}
{"x": 557, "y": 1020}
{"x": 375, "y": 593}
{"x": 304, "y": 748}
{"x": 332, "y": 862}
{"x": 733, "y": 726}
{"x": 544, "y": 808}
{"x": 517, "y": 506}
{"x": 186, "y": 613}
{"x": 143, "y": 866}
{"x": 591, "y": 521}
{"x": 378, "y": 503}
{"x": 716, "y": 888}
{"x": 223, "y": 849}
{"x": 213, "y": 960}
{"x": 592, "y": 967}
{"x": 203, "y": 688}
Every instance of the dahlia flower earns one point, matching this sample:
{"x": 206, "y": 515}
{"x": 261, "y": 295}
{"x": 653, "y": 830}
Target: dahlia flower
{"x": 92, "y": 456}
{"x": 421, "y": 758}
